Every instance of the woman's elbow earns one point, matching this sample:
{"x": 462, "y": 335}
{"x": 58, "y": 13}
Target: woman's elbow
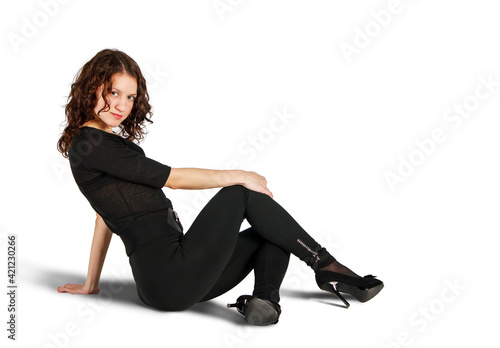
{"x": 173, "y": 180}
{"x": 171, "y": 184}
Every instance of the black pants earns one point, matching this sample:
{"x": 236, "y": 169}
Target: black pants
{"x": 176, "y": 271}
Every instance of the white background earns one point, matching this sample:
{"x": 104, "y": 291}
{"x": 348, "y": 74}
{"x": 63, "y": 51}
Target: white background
{"x": 219, "y": 76}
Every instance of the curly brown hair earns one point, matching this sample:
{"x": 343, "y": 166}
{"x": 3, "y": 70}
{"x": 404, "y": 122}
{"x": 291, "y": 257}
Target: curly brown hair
{"x": 83, "y": 99}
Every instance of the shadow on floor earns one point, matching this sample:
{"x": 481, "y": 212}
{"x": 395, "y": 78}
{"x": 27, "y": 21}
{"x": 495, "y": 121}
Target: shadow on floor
{"x": 116, "y": 290}
{"x": 214, "y": 309}
{"x": 124, "y": 291}
{"x": 318, "y": 296}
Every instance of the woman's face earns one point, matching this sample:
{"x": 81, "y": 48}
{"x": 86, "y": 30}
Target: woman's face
{"x": 120, "y": 100}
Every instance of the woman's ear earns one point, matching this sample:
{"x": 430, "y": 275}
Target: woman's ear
{"x": 98, "y": 92}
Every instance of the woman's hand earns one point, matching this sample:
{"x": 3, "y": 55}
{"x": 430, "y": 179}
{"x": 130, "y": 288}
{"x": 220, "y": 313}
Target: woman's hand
{"x": 77, "y": 289}
{"x": 256, "y": 182}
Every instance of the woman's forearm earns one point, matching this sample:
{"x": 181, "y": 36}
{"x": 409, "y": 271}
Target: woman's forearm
{"x": 100, "y": 244}
{"x": 196, "y": 179}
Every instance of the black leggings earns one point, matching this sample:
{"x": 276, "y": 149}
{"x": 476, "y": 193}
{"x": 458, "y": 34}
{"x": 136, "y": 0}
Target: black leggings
{"x": 176, "y": 271}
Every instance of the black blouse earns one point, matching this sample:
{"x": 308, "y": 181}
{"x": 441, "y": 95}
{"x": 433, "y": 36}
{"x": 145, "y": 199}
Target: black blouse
{"x": 116, "y": 177}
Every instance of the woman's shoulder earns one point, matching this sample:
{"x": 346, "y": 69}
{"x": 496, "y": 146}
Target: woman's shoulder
{"x": 89, "y": 136}
{"x": 90, "y": 139}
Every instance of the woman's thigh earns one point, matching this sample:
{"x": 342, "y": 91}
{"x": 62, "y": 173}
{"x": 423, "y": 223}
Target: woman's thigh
{"x": 175, "y": 273}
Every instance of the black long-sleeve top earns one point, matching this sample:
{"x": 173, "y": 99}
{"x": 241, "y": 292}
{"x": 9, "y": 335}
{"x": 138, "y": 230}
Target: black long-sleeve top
{"x": 116, "y": 177}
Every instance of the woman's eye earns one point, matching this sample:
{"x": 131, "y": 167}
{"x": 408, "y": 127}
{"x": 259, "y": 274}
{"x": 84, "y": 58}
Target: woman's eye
{"x": 113, "y": 93}
{"x": 131, "y": 97}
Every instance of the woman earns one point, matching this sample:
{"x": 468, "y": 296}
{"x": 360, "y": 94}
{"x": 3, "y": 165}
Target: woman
{"x": 173, "y": 270}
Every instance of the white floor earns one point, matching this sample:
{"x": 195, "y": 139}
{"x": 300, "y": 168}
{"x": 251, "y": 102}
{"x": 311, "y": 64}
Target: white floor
{"x": 375, "y": 123}
{"x": 426, "y": 308}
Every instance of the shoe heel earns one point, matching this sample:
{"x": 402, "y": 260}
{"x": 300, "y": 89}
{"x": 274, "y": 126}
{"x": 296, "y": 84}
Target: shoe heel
{"x": 361, "y": 288}
{"x": 332, "y": 287}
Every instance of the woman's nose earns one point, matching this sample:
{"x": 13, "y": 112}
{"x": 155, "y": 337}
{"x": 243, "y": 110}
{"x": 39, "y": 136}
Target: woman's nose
{"x": 121, "y": 105}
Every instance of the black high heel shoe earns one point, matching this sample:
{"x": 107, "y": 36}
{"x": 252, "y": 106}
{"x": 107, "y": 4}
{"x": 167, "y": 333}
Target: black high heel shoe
{"x": 257, "y": 311}
{"x": 362, "y": 288}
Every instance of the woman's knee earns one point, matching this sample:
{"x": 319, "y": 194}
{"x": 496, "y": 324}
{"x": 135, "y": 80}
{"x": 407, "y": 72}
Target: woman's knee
{"x": 235, "y": 192}
{"x": 234, "y": 188}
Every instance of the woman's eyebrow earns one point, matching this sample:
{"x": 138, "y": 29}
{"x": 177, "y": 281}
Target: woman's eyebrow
{"x": 121, "y": 91}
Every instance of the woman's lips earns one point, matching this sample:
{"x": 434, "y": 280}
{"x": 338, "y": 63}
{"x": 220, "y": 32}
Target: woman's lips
{"x": 117, "y": 116}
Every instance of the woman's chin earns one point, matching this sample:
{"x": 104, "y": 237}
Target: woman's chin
{"x": 112, "y": 123}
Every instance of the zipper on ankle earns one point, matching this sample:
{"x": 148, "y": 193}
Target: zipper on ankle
{"x": 314, "y": 253}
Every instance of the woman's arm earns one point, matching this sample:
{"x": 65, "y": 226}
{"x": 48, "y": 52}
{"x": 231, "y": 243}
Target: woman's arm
{"x": 195, "y": 179}
{"x": 100, "y": 244}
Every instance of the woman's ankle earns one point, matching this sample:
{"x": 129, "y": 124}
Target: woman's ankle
{"x": 336, "y": 266}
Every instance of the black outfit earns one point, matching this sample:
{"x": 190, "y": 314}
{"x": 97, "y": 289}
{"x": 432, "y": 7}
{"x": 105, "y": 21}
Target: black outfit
{"x": 173, "y": 270}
